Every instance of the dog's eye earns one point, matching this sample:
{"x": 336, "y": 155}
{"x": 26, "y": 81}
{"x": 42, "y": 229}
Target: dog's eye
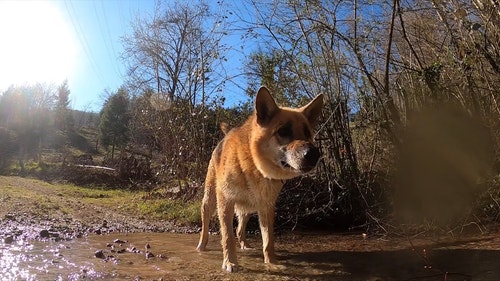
{"x": 285, "y": 131}
{"x": 307, "y": 132}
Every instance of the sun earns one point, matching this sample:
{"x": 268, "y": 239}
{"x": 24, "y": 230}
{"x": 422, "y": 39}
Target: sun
{"x": 37, "y": 44}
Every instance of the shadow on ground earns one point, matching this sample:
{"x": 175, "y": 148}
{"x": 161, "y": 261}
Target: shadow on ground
{"x": 440, "y": 264}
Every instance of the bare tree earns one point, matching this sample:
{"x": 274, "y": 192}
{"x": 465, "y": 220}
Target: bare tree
{"x": 176, "y": 51}
{"x": 27, "y": 111}
{"x": 175, "y": 59}
{"x": 380, "y": 64}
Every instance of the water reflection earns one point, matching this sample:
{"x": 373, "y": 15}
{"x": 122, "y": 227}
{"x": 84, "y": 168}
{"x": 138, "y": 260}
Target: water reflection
{"x": 43, "y": 261}
{"x": 12, "y": 260}
{"x": 155, "y": 256}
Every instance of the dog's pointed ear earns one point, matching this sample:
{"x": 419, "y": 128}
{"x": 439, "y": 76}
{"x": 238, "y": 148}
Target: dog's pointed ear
{"x": 312, "y": 110}
{"x": 265, "y": 106}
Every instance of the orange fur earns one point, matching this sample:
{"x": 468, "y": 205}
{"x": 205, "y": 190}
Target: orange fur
{"x": 247, "y": 169}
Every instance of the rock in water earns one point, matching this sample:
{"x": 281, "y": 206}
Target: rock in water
{"x": 99, "y": 254}
{"x": 149, "y": 255}
{"x": 8, "y": 240}
{"x": 44, "y": 234}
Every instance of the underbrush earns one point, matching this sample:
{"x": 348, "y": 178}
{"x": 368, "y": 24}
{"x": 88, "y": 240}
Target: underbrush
{"x": 308, "y": 203}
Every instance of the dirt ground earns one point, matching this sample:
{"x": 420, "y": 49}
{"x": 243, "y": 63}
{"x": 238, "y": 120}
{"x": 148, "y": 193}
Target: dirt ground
{"x": 32, "y": 209}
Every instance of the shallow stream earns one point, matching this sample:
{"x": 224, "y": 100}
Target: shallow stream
{"x": 302, "y": 256}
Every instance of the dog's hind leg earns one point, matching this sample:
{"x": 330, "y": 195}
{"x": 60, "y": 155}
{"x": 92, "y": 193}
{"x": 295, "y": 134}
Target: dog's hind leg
{"x": 241, "y": 230}
{"x": 207, "y": 207}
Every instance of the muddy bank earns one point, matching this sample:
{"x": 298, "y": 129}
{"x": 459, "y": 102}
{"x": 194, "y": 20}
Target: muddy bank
{"x": 35, "y": 210}
{"x": 28, "y": 226}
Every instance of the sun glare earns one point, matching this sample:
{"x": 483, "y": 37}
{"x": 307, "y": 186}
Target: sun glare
{"x": 37, "y": 43}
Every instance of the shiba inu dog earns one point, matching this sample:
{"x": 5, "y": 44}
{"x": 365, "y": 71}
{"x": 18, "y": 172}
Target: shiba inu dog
{"x": 248, "y": 168}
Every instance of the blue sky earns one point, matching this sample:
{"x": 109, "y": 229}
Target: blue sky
{"x": 77, "y": 40}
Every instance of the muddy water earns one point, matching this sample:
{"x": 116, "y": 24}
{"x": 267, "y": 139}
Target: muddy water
{"x": 302, "y": 257}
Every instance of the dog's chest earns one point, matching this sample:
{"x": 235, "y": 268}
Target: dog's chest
{"x": 257, "y": 194}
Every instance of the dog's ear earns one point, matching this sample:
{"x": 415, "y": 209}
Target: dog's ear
{"x": 224, "y": 127}
{"x": 312, "y": 110}
{"x": 265, "y": 106}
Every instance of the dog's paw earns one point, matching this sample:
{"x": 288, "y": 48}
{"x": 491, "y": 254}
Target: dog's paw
{"x": 201, "y": 248}
{"x": 245, "y": 246}
{"x": 270, "y": 259}
{"x": 229, "y": 267}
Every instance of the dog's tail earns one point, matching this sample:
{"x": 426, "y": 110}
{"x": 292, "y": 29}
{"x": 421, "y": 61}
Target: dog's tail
{"x": 207, "y": 206}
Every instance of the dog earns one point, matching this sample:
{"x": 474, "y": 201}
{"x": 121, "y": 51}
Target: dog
{"x": 249, "y": 166}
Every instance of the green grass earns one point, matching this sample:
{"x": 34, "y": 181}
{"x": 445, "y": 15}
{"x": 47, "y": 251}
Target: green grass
{"x": 87, "y": 194}
{"x": 49, "y": 197}
{"x": 176, "y": 210}
{"x": 48, "y": 205}
{"x": 133, "y": 202}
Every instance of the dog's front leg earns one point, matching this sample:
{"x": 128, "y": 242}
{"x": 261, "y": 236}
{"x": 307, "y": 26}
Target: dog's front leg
{"x": 266, "y": 221}
{"x": 241, "y": 230}
{"x": 225, "y": 211}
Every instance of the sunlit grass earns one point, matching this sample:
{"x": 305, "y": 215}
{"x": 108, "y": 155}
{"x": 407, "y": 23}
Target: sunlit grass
{"x": 176, "y": 210}
{"x": 52, "y": 197}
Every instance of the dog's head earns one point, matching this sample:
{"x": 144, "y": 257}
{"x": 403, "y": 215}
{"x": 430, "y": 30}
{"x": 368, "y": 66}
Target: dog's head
{"x": 282, "y": 138}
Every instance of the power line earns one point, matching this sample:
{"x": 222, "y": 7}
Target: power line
{"x": 109, "y": 36}
{"x": 106, "y": 39}
{"x": 83, "y": 40}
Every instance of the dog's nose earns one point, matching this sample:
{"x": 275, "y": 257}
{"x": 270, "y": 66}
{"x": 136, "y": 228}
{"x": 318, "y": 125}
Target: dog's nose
{"x": 311, "y": 158}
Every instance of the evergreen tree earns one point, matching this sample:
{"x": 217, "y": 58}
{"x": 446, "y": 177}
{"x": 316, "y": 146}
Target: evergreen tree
{"x": 271, "y": 69}
{"x": 114, "y": 123}
{"x": 8, "y": 148}
{"x": 64, "y": 118}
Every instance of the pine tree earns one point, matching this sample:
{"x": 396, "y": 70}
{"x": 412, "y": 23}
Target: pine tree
{"x": 64, "y": 119}
{"x": 114, "y": 123}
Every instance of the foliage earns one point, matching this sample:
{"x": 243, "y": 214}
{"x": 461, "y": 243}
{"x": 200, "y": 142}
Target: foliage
{"x": 172, "y": 58}
{"x": 7, "y": 149}
{"x": 179, "y": 139}
{"x": 26, "y": 111}
{"x": 385, "y": 67}
{"x": 114, "y": 121}
{"x": 273, "y": 70}
{"x": 64, "y": 119}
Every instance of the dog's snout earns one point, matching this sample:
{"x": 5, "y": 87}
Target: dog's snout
{"x": 311, "y": 157}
